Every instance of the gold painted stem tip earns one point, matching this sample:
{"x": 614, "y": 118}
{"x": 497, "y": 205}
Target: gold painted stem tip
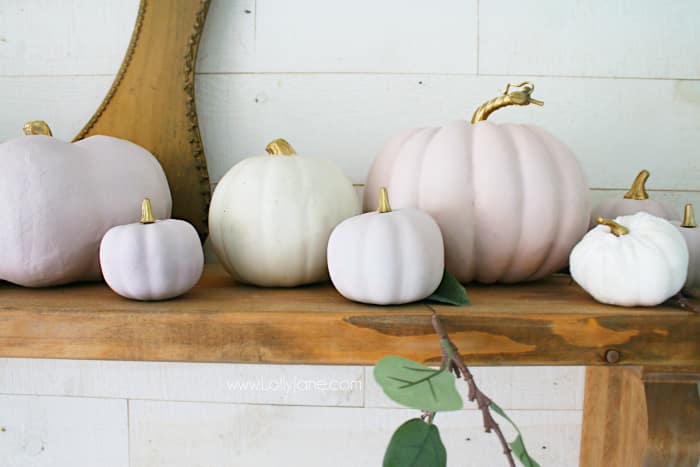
{"x": 384, "y": 205}
{"x": 280, "y": 147}
{"x": 638, "y": 189}
{"x": 37, "y": 127}
{"x": 147, "y": 212}
{"x": 615, "y": 228}
{"x": 689, "y": 217}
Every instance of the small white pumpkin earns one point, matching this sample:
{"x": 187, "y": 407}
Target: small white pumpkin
{"x": 634, "y": 260}
{"x": 386, "y": 257}
{"x": 690, "y": 231}
{"x": 635, "y": 200}
{"x": 271, "y": 216}
{"x": 151, "y": 260}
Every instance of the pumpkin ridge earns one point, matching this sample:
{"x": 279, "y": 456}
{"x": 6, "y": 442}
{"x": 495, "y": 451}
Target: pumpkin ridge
{"x": 561, "y": 205}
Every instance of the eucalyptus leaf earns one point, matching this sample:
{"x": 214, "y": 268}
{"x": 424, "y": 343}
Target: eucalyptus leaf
{"x": 417, "y": 386}
{"x": 517, "y": 445}
{"x": 415, "y": 443}
{"x": 450, "y": 291}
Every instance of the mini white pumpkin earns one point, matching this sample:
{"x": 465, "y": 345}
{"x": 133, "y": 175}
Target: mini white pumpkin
{"x": 634, "y": 260}
{"x": 271, "y": 216}
{"x": 635, "y": 200}
{"x": 152, "y": 259}
{"x": 690, "y": 231}
{"x": 386, "y": 257}
{"x": 58, "y": 199}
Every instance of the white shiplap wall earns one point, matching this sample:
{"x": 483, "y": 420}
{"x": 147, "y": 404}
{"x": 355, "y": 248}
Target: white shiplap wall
{"x": 621, "y": 82}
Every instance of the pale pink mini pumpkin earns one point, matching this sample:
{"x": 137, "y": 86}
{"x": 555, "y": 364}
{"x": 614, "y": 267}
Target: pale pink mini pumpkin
{"x": 511, "y": 200}
{"x": 635, "y": 200}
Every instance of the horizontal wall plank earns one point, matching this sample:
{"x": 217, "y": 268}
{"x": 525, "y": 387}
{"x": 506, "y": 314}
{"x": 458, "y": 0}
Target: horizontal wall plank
{"x": 63, "y": 431}
{"x": 319, "y": 385}
{"x": 185, "y": 434}
{"x": 65, "y": 103}
{"x": 521, "y": 388}
{"x": 406, "y": 36}
{"x": 70, "y": 37}
{"x": 624, "y": 38}
{"x": 613, "y": 132}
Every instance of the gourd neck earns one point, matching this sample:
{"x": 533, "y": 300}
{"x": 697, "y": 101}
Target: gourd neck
{"x": 147, "y": 212}
{"x": 280, "y": 147}
{"x": 638, "y": 189}
{"x": 689, "y": 217}
{"x": 523, "y": 96}
{"x": 615, "y": 228}
{"x": 384, "y": 205}
{"x": 37, "y": 127}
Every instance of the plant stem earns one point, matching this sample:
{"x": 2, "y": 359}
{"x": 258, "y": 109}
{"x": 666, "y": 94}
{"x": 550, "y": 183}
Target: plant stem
{"x": 459, "y": 368}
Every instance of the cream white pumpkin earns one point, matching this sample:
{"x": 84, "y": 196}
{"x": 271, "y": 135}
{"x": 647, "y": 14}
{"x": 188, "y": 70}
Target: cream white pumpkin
{"x": 152, "y": 259}
{"x": 635, "y": 200}
{"x": 59, "y": 199}
{"x": 386, "y": 257}
{"x": 691, "y": 233}
{"x": 511, "y": 200}
{"x": 634, "y": 260}
{"x": 271, "y": 216}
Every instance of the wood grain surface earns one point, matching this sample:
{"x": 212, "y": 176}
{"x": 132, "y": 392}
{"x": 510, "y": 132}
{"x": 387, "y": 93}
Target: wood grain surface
{"x": 549, "y": 322}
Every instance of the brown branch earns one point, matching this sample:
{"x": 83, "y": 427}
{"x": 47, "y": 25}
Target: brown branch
{"x": 459, "y": 368}
{"x": 681, "y": 301}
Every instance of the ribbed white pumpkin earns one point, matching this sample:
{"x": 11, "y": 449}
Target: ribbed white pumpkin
{"x": 151, "y": 259}
{"x": 271, "y": 216}
{"x": 634, "y": 260}
{"x": 511, "y": 200}
{"x": 58, "y": 199}
{"x": 691, "y": 233}
{"x": 635, "y": 200}
{"x": 386, "y": 257}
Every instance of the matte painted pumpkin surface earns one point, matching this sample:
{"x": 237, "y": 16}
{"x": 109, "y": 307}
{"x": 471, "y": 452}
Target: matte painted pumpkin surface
{"x": 691, "y": 233}
{"x": 386, "y": 257}
{"x": 634, "y": 260}
{"x": 511, "y": 200}
{"x": 59, "y": 199}
{"x": 152, "y": 259}
{"x": 271, "y": 216}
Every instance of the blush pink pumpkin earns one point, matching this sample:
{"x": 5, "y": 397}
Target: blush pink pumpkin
{"x": 59, "y": 199}
{"x": 511, "y": 200}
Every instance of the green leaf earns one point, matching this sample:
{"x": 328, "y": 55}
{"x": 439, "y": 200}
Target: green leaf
{"x": 450, "y": 291}
{"x": 414, "y": 385}
{"x": 517, "y": 445}
{"x": 415, "y": 443}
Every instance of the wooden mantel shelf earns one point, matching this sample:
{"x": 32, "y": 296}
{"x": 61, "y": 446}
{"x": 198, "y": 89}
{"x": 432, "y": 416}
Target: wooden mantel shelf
{"x": 552, "y": 322}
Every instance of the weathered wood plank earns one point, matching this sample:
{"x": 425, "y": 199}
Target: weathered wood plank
{"x": 550, "y": 322}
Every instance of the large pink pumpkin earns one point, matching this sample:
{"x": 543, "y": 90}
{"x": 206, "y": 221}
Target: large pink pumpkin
{"x": 511, "y": 200}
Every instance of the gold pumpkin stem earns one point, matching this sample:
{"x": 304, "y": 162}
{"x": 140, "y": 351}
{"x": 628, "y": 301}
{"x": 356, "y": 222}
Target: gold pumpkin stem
{"x": 147, "y": 212}
{"x": 615, "y": 228}
{"x": 689, "y": 217}
{"x": 37, "y": 127}
{"x": 521, "y": 97}
{"x": 638, "y": 189}
{"x": 384, "y": 205}
{"x": 280, "y": 147}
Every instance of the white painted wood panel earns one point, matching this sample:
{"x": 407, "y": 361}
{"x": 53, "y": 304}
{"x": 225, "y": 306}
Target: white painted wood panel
{"x": 193, "y": 434}
{"x": 622, "y": 38}
{"x": 69, "y": 37}
{"x": 320, "y": 385}
{"x": 521, "y": 388}
{"x": 616, "y": 127}
{"x": 405, "y": 36}
{"x": 63, "y": 432}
